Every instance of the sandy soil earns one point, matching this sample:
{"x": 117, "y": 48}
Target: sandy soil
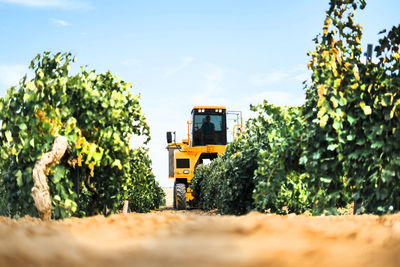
{"x": 169, "y": 196}
{"x": 195, "y": 238}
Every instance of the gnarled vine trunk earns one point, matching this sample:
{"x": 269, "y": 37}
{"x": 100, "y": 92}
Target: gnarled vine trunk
{"x": 40, "y": 190}
{"x": 95, "y": 196}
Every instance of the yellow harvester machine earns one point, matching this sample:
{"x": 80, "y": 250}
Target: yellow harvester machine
{"x": 209, "y": 131}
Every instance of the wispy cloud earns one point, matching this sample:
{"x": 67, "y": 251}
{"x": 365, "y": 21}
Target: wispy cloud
{"x": 63, "y": 4}
{"x": 296, "y": 73}
{"x": 59, "y": 22}
{"x": 185, "y": 62}
{"x": 131, "y": 62}
{"x": 211, "y": 88}
{"x": 213, "y": 79}
{"x": 262, "y": 79}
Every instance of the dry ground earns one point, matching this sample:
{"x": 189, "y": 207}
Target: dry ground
{"x": 196, "y": 238}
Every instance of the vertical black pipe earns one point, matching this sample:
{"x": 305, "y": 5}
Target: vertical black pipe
{"x": 369, "y": 52}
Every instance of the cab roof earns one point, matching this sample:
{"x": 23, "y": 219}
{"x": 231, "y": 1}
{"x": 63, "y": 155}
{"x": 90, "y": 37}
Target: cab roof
{"x": 209, "y": 107}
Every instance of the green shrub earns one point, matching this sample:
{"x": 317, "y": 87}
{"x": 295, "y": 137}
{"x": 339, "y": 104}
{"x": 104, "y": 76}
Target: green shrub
{"x": 98, "y": 114}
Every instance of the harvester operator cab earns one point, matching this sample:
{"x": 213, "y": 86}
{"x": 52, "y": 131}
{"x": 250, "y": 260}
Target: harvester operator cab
{"x": 208, "y": 126}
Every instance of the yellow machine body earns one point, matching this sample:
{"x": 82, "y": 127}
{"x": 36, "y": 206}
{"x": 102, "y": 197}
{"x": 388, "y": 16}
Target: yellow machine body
{"x": 193, "y": 155}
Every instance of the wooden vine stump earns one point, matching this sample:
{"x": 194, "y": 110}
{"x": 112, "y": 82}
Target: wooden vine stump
{"x": 126, "y": 207}
{"x": 40, "y": 190}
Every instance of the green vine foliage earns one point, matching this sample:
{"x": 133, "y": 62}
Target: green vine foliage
{"x": 280, "y": 179}
{"x": 207, "y": 183}
{"x": 98, "y": 114}
{"x": 341, "y": 147}
{"x": 4, "y": 206}
{"x": 252, "y": 173}
{"x": 227, "y": 183}
{"x": 352, "y": 112}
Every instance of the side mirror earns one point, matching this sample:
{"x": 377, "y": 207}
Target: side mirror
{"x": 169, "y": 137}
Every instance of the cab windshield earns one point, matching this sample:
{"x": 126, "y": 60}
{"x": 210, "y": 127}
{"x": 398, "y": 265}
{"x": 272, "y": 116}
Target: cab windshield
{"x": 208, "y": 129}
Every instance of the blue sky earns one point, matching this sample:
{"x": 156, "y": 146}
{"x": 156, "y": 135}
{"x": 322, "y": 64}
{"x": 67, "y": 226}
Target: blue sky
{"x": 179, "y": 54}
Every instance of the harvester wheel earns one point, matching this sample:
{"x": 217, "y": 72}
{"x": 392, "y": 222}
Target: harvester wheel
{"x": 180, "y": 196}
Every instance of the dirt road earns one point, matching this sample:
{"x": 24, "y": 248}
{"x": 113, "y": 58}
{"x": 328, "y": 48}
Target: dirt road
{"x": 195, "y": 238}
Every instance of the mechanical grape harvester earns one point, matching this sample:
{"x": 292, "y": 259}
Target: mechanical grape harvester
{"x": 209, "y": 131}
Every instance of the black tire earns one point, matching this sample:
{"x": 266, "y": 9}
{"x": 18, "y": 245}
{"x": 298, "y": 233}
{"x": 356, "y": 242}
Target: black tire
{"x": 174, "y": 201}
{"x": 180, "y": 196}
